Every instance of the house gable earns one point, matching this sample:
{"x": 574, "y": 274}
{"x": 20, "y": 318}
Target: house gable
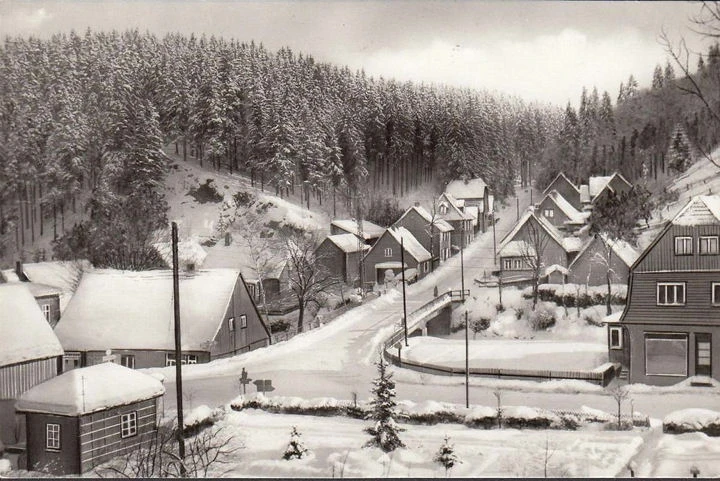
{"x": 589, "y": 267}
{"x": 565, "y": 188}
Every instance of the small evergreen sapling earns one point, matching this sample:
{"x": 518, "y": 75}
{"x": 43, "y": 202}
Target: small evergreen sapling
{"x": 385, "y": 431}
{"x": 446, "y": 456}
{"x": 295, "y": 448}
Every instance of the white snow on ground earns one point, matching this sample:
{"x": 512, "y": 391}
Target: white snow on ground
{"x": 336, "y": 447}
{"x": 514, "y": 354}
{"x": 676, "y": 455}
{"x": 693, "y": 418}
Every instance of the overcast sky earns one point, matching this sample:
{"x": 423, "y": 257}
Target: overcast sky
{"x": 543, "y": 51}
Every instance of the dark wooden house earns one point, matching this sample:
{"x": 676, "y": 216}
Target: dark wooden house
{"x": 475, "y": 196}
{"x": 600, "y": 186}
{"x": 530, "y": 234}
{"x": 88, "y": 416}
{"x": 340, "y": 255}
{"x": 601, "y": 257}
{"x": 670, "y": 328}
{"x": 385, "y": 256}
{"x": 462, "y": 223}
{"x": 370, "y": 232}
{"x": 566, "y": 188}
{"x": 30, "y": 353}
{"x": 434, "y": 233}
{"x": 560, "y": 213}
{"x": 131, "y": 313}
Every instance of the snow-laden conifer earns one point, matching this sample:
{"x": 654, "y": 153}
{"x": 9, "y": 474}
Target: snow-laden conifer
{"x": 385, "y": 430}
{"x": 295, "y": 448}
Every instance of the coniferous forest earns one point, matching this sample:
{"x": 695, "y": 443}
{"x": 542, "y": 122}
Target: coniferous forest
{"x": 94, "y": 113}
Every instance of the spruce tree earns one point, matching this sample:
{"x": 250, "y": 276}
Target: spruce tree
{"x": 658, "y": 79}
{"x": 446, "y": 456}
{"x": 295, "y": 448}
{"x": 385, "y": 431}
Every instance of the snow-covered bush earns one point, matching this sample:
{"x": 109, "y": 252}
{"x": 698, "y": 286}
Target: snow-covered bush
{"x": 521, "y": 417}
{"x": 295, "y": 448}
{"x": 576, "y": 294}
{"x": 5, "y": 466}
{"x": 446, "y": 456}
{"x": 200, "y": 418}
{"x": 482, "y": 417}
{"x": 279, "y": 325}
{"x": 692, "y": 420}
{"x": 542, "y": 317}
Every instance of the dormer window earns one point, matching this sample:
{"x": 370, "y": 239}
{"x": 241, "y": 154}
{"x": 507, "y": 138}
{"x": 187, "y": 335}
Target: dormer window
{"x": 708, "y": 245}
{"x": 443, "y": 209}
{"x": 549, "y": 213}
{"x": 683, "y": 246}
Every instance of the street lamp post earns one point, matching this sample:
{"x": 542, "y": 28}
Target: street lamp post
{"x": 402, "y": 267}
{"x": 467, "y": 362}
{"x": 462, "y": 262}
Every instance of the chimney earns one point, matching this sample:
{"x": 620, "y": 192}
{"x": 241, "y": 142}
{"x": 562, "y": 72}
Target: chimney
{"x": 19, "y": 271}
{"x": 417, "y": 203}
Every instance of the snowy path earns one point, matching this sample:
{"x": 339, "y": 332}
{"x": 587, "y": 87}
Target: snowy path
{"x": 336, "y": 360}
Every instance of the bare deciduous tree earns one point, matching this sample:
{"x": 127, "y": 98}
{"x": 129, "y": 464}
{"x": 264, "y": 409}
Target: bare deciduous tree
{"x": 532, "y": 252}
{"x": 619, "y": 394}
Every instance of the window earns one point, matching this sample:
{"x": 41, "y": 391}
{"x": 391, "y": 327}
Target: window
{"x": 443, "y": 209}
{"x": 708, "y": 245}
{"x": 231, "y": 324}
{"x": 388, "y": 252}
{"x": 615, "y": 338}
{"x": 666, "y": 354}
{"x": 46, "y": 311}
{"x": 683, "y": 246}
{"x": 670, "y": 293}
{"x": 128, "y": 424}
{"x": 127, "y": 360}
{"x": 549, "y": 213}
{"x": 52, "y": 436}
{"x": 243, "y": 321}
{"x": 513, "y": 264}
{"x": 186, "y": 359}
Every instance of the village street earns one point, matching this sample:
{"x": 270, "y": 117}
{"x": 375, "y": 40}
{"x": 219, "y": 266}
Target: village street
{"x": 336, "y": 360}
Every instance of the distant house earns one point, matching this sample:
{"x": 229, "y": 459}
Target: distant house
{"x": 531, "y": 232}
{"x": 567, "y": 189}
{"x": 435, "y": 234}
{"x": 30, "y": 353}
{"x": 475, "y": 195}
{"x": 600, "y": 186}
{"x": 131, "y": 313}
{"x": 670, "y": 328}
{"x": 88, "y": 416}
{"x": 462, "y": 223}
{"x": 191, "y": 254}
{"x": 560, "y": 213}
{"x": 340, "y": 254}
{"x": 592, "y": 264}
{"x": 385, "y": 255}
{"x": 370, "y": 232}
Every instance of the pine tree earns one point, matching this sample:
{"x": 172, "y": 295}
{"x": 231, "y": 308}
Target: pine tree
{"x": 658, "y": 79}
{"x": 385, "y": 431}
{"x": 446, "y": 456}
{"x": 669, "y": 73}
{"x": 295, "y": 448}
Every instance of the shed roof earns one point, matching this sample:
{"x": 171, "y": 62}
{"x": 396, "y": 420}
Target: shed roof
{"x": 26, "y": 334}
{"x": 90, "y": 389}
{"x": 467, "y": 188}
{"x": 348, "y": 243}
{"x": 411, "y": 244}
{"x": 370, "y": 230}
{"x": 115, "y": 309}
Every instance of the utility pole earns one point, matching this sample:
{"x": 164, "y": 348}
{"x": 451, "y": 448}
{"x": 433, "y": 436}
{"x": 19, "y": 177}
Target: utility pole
{"x": 517, "y": 207}
{"x": 467, "y": 363}
{"x": 494, "y": 244}
{"x": 462, "y": 262}
{"x": 178, "y": 343}
{"x": 402, "y": 267}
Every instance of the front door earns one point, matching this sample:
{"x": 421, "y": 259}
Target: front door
{"x": 703, "y": 355}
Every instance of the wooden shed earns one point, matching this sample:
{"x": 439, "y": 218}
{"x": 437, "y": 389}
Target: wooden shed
{"x": 340, "y": 255}
{"x": 88, "y": 416}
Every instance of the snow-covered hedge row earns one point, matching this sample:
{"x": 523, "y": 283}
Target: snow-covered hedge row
{"x": 574, "y": 293}
{"x": 200, "y": 418}
{"x": 426, "y": 413}
{"x": 692, "y": 420}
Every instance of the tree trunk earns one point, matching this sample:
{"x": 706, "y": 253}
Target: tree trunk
{"x": 54, "y": 220}
{"x": 301, "y": 316}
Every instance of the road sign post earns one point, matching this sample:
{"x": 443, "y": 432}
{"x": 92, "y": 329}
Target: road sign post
{"x": 398, "y": 346}
{"x": 244, "y": 380}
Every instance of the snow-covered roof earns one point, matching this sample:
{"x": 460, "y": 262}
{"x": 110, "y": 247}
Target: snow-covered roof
{"x": 467, "y": 189}
{"x": 115, "y": 309}
{"x": 550, "y": 229}
{"x": 572, "y": 244}
{"x": 613, "y": 318}
{"x": 453, "y": 212}
{"x": 700, "y": 210}
{"x": 42, "y": 290}
{"x": 474, "y": 211}
{"x": 443, "y": 226}
{"x": 189, "y": 252}
{"x": 90, "y": 389}
{"x": 574, "y": 215}
{"x": 60, "y": 274}
{"x": 561, "y": 175}
{"x": 370, "y": 230}
{"x": 556, "y": 268}
{"x": 518, "y": 248}
{"x": 598, "y": 183}
{"x": 348, "y": 243}
{"x": 440, "y": 224}
{"x": 585, "y": 193}
{"x": 238, "y": 256}
{"x": 411, "y": 244}
{"x": 627, "y": 253}
{"x": 25, "y": 333}
{"x": 390, "y": 265}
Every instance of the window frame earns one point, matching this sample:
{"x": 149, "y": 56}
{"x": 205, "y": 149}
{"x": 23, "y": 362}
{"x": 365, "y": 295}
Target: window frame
{"x": 619, "y": 344}
{"x": 709, "y": 238}
{"x": 713, "y": 300}
{"x": 659, "y": 285}
{"x": 683, "y": 238}
{"x": 550, "y": 211}
{"x": 128, "y": 425}
{"x": 46, "y": 311}
{"x": 131, "y": 357}
{"x": 667, "y": 336}
{"x": 388, "y": 252}
{"x": 243, "y": 321}
{"x": 231, "y": 324}
{"x": 56, "y": 437}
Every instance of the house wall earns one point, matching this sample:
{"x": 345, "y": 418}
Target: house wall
{"x": 332, "y": 258}
{"x": 591, "y": 271}
{"x": 565, "y": 189}
{"x": 662, "y": 256}
{"x": 64, "y": 461}
{"x": 619, "y": 185}
{"x": 637, "y": 350}
{"x": 418, "y": 227}
{"x": 54, "y": 303}
{"x": 456, "y": 237}
{"x": 376, "y": 255}
{"x": 144, "y": 358}
{"x": 559, "y": 217}
{"x": 255, "y": 335}
{"x": 352, "y": 268}
{"x": 100, "y": 433}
